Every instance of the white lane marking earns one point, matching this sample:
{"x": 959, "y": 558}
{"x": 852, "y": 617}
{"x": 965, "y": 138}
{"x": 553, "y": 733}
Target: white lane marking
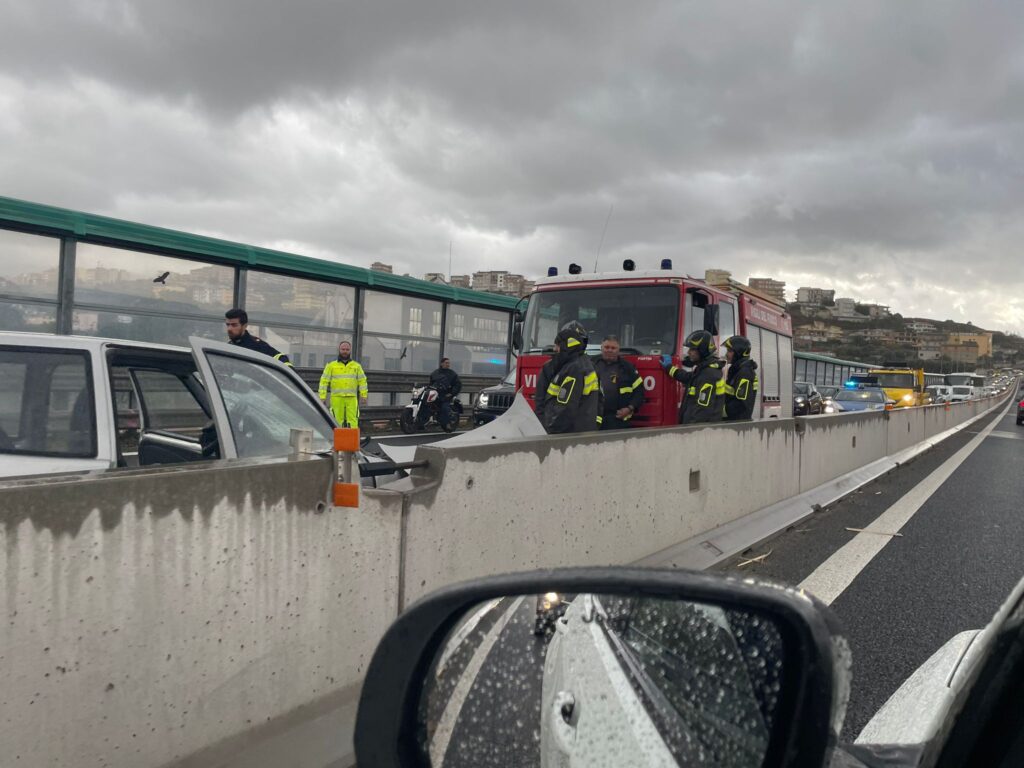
{"x": 450, "y": 716}
{"x": 464, "y": 632}
{"x": 833, "y": 576}
{"x": 1008, "y": 435}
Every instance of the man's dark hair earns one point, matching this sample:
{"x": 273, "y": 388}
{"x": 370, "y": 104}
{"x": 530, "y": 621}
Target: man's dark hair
{"x": 237, "y": 314}
{"x": 446, "y": 359}
{"x": 610, "y": 337}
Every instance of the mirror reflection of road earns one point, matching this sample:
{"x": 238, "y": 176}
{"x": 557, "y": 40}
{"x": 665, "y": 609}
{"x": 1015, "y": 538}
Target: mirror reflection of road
{"x": 483, "y": 706}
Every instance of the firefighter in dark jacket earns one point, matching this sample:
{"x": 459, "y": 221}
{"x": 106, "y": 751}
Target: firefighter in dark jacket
{"x": 573, "y": 395}
{"x": 622, "y": 387}
{"x": 741, "y": 384}
{"x": 702, "y": 376}
{"x": 236, "y": 321}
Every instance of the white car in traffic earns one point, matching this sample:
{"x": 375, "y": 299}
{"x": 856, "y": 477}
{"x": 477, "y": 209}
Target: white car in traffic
{"x": 72, "y": 403}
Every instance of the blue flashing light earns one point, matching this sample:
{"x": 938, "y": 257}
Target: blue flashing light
{"x": 552, "y": 271}
{"x": 666, "y": 263}
{"x": 496, "y": 361}
{"x": 850, "y": 384}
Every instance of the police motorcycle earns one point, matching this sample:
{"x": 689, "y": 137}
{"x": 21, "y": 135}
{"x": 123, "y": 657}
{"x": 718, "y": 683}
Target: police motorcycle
{"x": 429, "y": 397}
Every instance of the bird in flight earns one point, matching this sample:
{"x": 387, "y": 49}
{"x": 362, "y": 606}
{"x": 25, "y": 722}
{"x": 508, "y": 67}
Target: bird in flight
{"x": 162, "y": 279}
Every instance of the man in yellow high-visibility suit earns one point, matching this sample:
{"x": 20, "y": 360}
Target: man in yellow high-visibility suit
{"x": 345, "y": 380}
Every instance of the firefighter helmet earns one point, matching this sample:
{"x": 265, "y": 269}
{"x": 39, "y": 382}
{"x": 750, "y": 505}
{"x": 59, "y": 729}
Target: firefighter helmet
{"x": 738, "y": 344}
{"x": 572, "y": 336}
{"x": 703, "y": 342}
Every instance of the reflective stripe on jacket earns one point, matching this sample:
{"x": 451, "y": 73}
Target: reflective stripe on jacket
{"x": 621, "y": 385}
{"x": 705, "y": 390}
{"x": 741, "y": 388}
{"x": 572, "y": 400}
{"x": 343, "y": 380}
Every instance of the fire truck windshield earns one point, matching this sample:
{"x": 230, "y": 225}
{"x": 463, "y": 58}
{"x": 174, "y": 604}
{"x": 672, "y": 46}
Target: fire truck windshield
{"x": 644, "y": 318}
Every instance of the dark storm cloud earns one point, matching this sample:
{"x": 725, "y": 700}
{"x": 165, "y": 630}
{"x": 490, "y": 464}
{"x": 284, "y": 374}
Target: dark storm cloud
{"x": 827, "y": 144}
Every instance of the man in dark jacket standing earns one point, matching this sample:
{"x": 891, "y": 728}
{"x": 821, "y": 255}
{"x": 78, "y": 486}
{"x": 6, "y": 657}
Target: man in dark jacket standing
{"x": 702, "y": 377}
{"x": 448, "y": 386}
{"x": 621, "y": 386}
{"x": 741, "y": 385}
{"x": 236, "y": 321}
{"x": 573, "y": 395}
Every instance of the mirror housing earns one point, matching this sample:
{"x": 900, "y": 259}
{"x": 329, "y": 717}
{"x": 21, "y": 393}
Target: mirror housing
{"x": 517, "y": 337}
{"x": 813, "y": 690}
{"x": 711, "y": 319}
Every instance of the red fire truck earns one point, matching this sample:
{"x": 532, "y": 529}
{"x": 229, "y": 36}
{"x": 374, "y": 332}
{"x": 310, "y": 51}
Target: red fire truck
{"x": 652, "y": 312}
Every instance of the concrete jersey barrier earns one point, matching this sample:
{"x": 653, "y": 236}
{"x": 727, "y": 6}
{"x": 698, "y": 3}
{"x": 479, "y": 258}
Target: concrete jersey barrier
{"x": 617, "y": 497}
{"x": 166, "y": 616}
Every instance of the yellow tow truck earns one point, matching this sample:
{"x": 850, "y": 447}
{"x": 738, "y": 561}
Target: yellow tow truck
{"x": 904, "y": 385}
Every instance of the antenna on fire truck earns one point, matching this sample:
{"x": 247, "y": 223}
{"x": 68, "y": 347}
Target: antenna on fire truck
{"x": 603, "y": 232}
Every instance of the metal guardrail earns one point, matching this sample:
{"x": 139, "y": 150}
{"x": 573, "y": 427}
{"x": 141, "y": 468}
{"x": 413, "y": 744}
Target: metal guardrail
{"x": 395, "y": 382}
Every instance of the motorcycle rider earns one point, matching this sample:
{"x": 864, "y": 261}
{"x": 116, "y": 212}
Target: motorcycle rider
{"x": 448, "y": 386}
{"x": 741, "y": 383}
{"x": 703, "y": 379}
{"x": 621, "y": 386}
{"x": 345, "y": 379}
{"x": 572, "y": 398}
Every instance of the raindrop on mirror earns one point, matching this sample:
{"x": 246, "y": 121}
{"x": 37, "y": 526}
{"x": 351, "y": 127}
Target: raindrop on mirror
{"x": 559, "y": 680}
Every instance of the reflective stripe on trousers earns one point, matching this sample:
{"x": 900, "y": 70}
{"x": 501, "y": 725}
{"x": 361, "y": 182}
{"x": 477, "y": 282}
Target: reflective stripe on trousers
{"x": 345, "y": 409}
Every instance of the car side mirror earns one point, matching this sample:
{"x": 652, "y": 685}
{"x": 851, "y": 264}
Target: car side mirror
{"x": 557, "y": 667}
{"x": 711, "y": 319}
{"x": 517, "y": 337}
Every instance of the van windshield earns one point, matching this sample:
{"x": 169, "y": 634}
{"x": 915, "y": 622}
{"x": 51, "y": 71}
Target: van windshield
{"x": 644, "y": 318}
{"x": 895, "y": 380}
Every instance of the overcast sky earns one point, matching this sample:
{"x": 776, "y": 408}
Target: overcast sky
{"x": 872, "y": 147}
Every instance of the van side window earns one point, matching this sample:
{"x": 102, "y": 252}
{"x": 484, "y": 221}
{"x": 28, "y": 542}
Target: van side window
{"x": 167, "y": 404}
{"x": 46, "y": 403}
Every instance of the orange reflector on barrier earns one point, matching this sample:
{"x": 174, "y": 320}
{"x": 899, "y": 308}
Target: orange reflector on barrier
{"x": 346, "y": 494}
{"x": 346, "y": 439}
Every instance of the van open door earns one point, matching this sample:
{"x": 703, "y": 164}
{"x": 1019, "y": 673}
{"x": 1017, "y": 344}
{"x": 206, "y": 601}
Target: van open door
{"x": 257, "y": 402}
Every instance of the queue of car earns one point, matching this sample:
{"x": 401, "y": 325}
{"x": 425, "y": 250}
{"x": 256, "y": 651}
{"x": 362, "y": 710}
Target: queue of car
{"x": 865, "y": 392}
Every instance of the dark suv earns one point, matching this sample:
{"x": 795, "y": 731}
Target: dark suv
{"x": 494, "y": 401}
{"x": 807, "y": 400}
